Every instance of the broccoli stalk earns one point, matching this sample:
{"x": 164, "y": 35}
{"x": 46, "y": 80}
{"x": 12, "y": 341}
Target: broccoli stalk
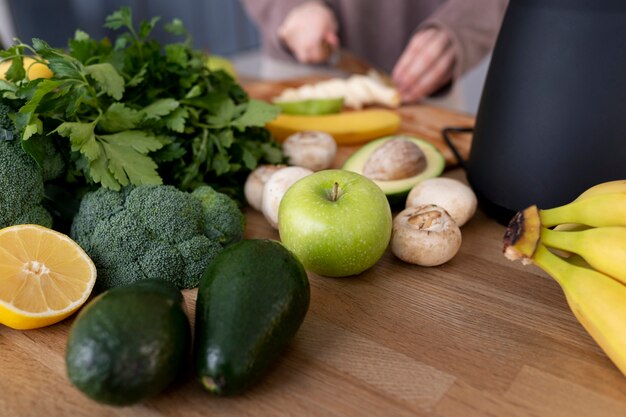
{"x": 149, "y": 232}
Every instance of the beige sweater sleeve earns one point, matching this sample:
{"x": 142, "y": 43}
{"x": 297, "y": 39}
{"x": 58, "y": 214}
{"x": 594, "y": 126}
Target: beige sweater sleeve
{"x": 473, "y": 26}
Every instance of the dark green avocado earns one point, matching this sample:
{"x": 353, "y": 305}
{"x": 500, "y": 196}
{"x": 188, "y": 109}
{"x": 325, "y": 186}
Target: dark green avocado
{"x": 251, "y": 301}
{"x": 129, "y": 343}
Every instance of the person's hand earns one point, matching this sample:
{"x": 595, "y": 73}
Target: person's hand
{"x": 310, "y": 32}
{"x": 426, "y": 64}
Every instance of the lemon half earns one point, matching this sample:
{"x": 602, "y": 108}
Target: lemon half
{"x": 44, "y": 276}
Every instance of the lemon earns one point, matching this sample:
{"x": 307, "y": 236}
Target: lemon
{"x": 44, "y": 276}
{"x": 34, "y": 69}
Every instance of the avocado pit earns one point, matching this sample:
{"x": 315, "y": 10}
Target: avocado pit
{"x": 394, "y": 160}
{"x": 396, "y": 164}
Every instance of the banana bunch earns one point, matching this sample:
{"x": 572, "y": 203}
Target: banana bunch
{"x": 588, "y": 258}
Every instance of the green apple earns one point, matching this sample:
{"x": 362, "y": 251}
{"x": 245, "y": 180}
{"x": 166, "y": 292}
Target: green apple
{"x": 337, "y": 222}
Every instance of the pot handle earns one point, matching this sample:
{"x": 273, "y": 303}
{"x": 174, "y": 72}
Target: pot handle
{"x": 446, "y": 131}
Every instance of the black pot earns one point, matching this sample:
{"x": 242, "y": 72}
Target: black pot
{"x": 552, "y": 116}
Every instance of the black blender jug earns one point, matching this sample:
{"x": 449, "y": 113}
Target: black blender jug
{"x": 552, "y": 116}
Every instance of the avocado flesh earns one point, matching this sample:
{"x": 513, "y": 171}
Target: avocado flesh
{"x": 397, "y": 190}
{"x": 313, "y": 107}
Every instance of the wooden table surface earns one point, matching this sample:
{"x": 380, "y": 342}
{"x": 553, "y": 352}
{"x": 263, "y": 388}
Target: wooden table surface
{"x": 478, "y": 336}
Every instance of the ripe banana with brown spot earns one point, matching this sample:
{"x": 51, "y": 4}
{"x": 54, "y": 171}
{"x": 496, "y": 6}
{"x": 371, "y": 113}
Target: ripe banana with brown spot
{"x": 592, "y": 229}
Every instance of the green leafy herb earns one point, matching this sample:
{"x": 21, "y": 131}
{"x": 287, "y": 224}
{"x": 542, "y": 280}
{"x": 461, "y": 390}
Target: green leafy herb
{"x": 134, "y": 111}
{"x": 109, "y": 81}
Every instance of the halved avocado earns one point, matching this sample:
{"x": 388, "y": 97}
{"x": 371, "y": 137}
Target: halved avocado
{"x": 311, "y": 106}
{"x": 397, "y": 190}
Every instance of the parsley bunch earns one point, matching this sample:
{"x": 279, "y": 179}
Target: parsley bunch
{"x": 138, "y": 112}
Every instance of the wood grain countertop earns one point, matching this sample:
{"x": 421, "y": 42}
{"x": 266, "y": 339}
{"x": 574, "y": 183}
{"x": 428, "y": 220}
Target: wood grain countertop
{"x": 478, "y": 336}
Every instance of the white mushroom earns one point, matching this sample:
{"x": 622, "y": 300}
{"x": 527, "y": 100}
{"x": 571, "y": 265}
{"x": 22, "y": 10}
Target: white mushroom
{"x": 310, "y": 149}
{"x": 253, "y": 188}
{"x": 276, "y": 187}
{"x": 455, "y": 197}
{"x": 425, "y": 235}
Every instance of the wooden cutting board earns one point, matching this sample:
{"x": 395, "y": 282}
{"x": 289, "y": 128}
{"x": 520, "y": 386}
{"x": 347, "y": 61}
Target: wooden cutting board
{"x": 479, "y": 336}
{"x": 418, "y": 120}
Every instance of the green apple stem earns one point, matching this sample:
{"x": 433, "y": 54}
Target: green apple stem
{"x": 334, "y": 195}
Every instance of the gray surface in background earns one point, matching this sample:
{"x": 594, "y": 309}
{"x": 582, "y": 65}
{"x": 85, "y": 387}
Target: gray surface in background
{"x": 218, "y": 26}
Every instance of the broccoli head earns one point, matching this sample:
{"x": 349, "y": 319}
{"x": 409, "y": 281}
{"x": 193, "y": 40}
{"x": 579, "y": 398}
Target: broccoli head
{"x": 21, "y": 176}
{"x": 21, "y": 187}
{"x": 223, "y": 219}
{"x": 40, "y": 147}
{"x": 145, "y": 232}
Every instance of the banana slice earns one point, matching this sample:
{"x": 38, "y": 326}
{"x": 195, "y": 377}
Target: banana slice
{"x": 357, "y": 91}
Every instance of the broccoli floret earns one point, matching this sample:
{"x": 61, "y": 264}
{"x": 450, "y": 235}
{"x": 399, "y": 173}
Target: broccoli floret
{"x": 223, "y": 219}
{"x": 184, "y": 219}
{"x": 21, "y": 187}
{"x": 7, "y": 128}
{"x": 35, "y": 215}
{"x": 40, "y": 147}
{"x": 162, "y": 261}
{"x": 48, "y": 157}
{"x": 145, "y": 232}
{"x": 95, "y": 207}
{"x": 195, "y": 250}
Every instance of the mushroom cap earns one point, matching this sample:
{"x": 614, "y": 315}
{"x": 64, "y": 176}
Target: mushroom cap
{"x": 455, "y": 197}
{"x": 253, "y": 188}
{"x": 425, "y": 235}
{"x": 276, "y": 187}
{"x": 311, "y": 149}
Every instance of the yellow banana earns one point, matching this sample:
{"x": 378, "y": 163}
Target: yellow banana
{"x": 597, "y": 300}
{"x": 576, "y": 260}
{"x": 618, "y": 186}
{"x": 604, "y": 248}
{"x": 522, "y": 235}
{"x": 597, "y": 211}
{"x": 593, "y": 279}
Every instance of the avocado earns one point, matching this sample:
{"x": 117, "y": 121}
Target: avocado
{"x": 311, "y": 106}
{"x": 251, "y": 301}
{"x": 216, "y": 63}
{"x": 397, "y": 190}
{"x": 129, "y": 343}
